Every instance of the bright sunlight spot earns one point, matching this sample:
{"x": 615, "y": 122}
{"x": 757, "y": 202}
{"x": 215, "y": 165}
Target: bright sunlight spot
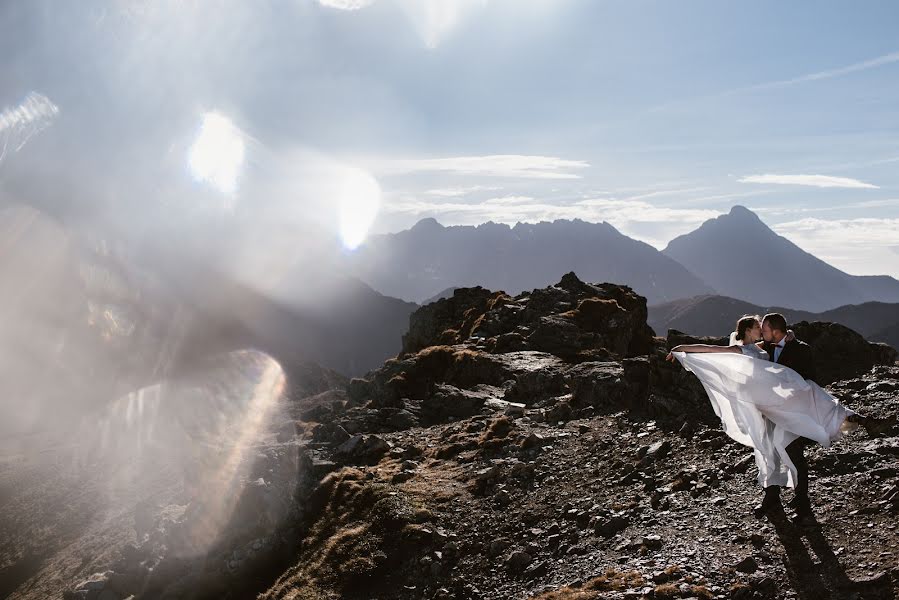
{"x": 359, "y": 196}
{"x": 217, "y": 154}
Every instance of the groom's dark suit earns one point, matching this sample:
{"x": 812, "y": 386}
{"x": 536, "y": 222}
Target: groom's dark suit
{"x": 798, "y": 356}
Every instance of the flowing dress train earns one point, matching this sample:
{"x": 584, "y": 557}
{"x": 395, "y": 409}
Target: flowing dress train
{"x": 765, "y": 406}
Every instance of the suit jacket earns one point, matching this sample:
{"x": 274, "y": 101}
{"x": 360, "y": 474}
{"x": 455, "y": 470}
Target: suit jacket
{"x": 797, "y": 355}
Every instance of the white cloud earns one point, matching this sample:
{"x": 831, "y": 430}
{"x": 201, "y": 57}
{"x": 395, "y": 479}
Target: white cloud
{"x": 19, "y": 123}
{"x": 509, "y": 200}
{"x": 461, "y": 191}
{"x": 434, "y": 20}
{"x": 496, "y": 165}
{"x": 346, "y": 4}
{"x": 821, "y": 181}
{"x": 864, "y": 246}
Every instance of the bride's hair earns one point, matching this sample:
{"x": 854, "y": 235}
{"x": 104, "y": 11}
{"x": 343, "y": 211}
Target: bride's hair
{"x": 745, "y": 322}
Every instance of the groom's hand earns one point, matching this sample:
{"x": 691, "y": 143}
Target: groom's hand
{"x": 670, "y": 357}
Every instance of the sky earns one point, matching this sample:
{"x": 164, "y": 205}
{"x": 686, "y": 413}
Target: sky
{"x": 168, "y": 118}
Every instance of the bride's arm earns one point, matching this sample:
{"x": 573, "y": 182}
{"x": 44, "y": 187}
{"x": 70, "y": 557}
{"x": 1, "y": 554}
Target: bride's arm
{"x": 705, "y": 348}
{"x": 702, "y": 348}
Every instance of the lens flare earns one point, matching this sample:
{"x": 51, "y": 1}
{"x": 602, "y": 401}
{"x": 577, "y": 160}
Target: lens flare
{"x": 218, "y": 153}
{"x": 359, "y": 196}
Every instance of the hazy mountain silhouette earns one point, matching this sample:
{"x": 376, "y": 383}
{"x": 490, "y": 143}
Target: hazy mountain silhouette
{"x": 739, "y": 256}
{"x": 447, "y": 293}
{"x": 93, "y": 322}
{"x": 717, "y": 315}
{"x": 420, "y": 262}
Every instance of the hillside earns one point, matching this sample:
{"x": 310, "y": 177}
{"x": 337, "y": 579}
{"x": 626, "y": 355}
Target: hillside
{"x": 741, "y": 257}
{"x": 532, "y": 447}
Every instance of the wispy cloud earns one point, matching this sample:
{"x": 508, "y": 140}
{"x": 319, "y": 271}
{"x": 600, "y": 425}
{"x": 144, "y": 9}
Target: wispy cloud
{"x": 879, "y": 61}
{"x": 821, "y": 181}
{"x": 346, "y": 4}
{"x": 454, "y": 192}
{"x": 19, "y": 123}
{"x": 506, "y": 200}
{"x": 872, "y": 63}
{"x": 496, "y": 165}
{"x": 859, "y": 246}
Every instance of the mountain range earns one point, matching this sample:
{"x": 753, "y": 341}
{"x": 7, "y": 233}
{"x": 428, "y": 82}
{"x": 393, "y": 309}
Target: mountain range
{"x": 734, "y": 255}
{"x": 419, "y": 263}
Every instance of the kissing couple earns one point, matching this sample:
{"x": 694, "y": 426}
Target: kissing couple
{"x": 763, "y": 388}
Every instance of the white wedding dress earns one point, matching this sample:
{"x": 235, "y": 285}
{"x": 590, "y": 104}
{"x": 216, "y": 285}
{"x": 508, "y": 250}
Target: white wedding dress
{"x": 766, "y": 406}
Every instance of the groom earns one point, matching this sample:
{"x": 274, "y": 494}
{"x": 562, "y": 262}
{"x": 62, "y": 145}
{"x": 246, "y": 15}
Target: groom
{"x": 798, "y": 356}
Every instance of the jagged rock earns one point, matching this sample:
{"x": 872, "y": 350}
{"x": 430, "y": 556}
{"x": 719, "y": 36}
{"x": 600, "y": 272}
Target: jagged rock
{"x": 445, "y": 321}
{"x": 839, "y": 352}
{"x": 610, "y": 526}
{"x": 535, "y": 376}
{"x": 518, "y": 560}
{"x": 565, "y": 319}
{"x": 747, "y": 565}
{"x": 362, "y": 449}
{"x": 599, "y": 384}
{"x": 359, "y": 391}
{"x": 330, "y": 433}
{"x": 449, "y": 402}
{"x": 561, "y": 412}
{"x": 533, "y": 440}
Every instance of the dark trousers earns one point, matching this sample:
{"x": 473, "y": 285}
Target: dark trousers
{"x": 796, "y": 452}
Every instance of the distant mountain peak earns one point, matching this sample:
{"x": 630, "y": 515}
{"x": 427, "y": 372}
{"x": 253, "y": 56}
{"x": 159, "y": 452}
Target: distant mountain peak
{"x": 729, "y": 251}
{"x": 427, "y": 224}
{"x": 738, "y": 210}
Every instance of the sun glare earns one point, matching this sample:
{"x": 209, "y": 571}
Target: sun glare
{"x": 359, "y": 196}
{"x": 217, "y": 154}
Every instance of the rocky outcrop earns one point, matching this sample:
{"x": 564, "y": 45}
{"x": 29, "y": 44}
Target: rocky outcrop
{"x": 841, "y": 353}
{"x": 571, "y": 320}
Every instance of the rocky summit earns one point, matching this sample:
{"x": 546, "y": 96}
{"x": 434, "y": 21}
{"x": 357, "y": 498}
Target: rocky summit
{"x": 536, "y": 447}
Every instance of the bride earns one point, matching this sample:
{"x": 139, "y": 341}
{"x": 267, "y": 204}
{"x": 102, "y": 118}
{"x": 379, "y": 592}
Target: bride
{"x": 767, "y": 406}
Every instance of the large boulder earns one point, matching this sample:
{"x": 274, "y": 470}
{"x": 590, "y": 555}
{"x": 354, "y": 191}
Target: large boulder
{"x": 841, "y": 353}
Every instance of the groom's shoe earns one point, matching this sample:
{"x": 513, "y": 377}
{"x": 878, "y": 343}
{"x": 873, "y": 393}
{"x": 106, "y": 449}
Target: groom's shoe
{"x": 769, "y": 503}
{"x": 877, "y": 427}
{"x": 798, "y": 501}
{"x": 802, "y": 506}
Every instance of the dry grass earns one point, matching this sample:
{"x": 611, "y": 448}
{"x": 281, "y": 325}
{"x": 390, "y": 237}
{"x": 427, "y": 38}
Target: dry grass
{"x": 345, "y": 545}
{"x": 497, "y": 429}
{"x": 610, "y": 581}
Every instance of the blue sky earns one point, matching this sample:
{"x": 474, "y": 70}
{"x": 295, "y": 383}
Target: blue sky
{"x": 653, "y": 116}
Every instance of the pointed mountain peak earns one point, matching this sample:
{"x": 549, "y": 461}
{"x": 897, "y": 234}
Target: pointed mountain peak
{"x": 739, "y": 211}
{"x": 427, "y": 224}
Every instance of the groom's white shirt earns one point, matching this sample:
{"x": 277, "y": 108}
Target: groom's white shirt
{"x": 779, "y": 347}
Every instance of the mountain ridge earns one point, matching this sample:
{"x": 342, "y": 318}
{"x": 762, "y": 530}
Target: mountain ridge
{"x": 741, "y": 257}
{"x": 419, "y": 263}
